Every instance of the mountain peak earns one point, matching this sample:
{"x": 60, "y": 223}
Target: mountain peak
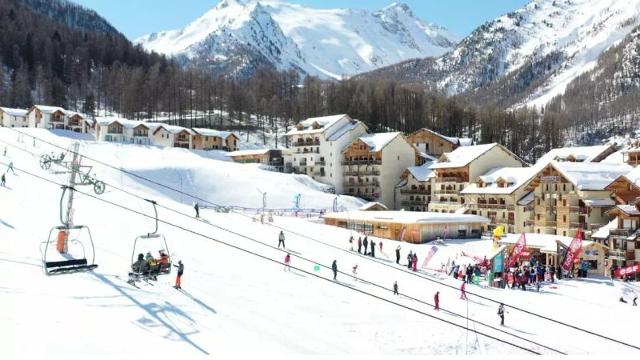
{"x": 398, "y": 7}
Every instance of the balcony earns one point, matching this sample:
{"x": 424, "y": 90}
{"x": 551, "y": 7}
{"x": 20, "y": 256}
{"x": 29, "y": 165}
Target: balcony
{"x": 306, "y": 143}
{"x": 415, "y": 191}
{"x": 362, "y": 162}
{"x": 617, "y": 254}
{"x": 414, "y": 202}
{"x": 362, "y": 184}
{"x": 545, "y": 223}
{"x": 621, "y": 232}
{"x": 446, "y": 191}
{"x": 450, "y": 179}
{"x": 363, "y": 173}
{"x": 493, "y": 206}
{"x": 529, "y": 222}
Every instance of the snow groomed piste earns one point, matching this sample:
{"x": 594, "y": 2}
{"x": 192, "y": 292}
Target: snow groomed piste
{"x": 254, "y": 280}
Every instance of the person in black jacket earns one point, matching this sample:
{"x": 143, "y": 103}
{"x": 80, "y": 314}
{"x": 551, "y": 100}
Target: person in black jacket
{"x": 281, "y": 239}
{"x": 395, "y": 288}
{"x": 501, "y": 313}
{"x": 373, "y": 249}
{"x": 196, "y": 207}
{"x": 365, "y": 242}
{"x": 334, "y": 268}
{"x": 398, "y": 255}
{"x": 180, "y": 267}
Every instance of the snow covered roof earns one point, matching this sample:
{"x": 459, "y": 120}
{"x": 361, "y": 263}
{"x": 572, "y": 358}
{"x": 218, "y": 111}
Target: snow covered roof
{"x": 544, "y": 242}
{"x": 526, "y": 199}
{"x": 374, "y": 205}
{"x": 630, "y": 210}
{"x": 345, "y": 129}
{"x": 576, "y": 154}
{"x": 514, "y": 177}
{"x": 173, "y": 129}
{"x": 71, "y": 113}
{"x": 216, "y": 133}
{"x": 408, "y": 217}
{"x": 316, "y": 124}
{"x": 634, "y": 176}
{"x": 462, "y": 156}
{"x": 48, "y": 109}
{"x": 378, "y": 141}
{"x": 604, "y": 231}
{"x": 247, "y": 152}
{"x": 107, "y": 120}
{"x": 422, "y": 173}
{"x": 591, "y": 176}
{"x": 14, "y": 112}
{"x": 451, "y": 139}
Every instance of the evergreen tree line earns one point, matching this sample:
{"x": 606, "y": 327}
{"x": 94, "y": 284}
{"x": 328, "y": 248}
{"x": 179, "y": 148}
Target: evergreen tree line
{"x": 46, "y": 62}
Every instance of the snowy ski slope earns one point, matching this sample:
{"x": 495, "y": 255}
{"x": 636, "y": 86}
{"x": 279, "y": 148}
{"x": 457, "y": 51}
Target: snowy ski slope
{"x": 237, "y": 303}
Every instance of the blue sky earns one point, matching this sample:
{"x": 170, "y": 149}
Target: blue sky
{"x": 138, "y": 17}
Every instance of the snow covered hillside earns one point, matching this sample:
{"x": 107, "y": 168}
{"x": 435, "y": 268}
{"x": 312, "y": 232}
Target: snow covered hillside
{"x": 236, "y": 303}
{"x": 238, "y": 35}
{"x": 537, "y": 50}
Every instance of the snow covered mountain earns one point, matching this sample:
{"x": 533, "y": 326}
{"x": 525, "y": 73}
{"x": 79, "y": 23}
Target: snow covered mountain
{"x": 237, "y": 36}
{"x": 542, "y": 47}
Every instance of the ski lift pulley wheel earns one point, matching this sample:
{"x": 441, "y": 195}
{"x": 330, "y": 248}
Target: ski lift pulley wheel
{"x": 68, "y": 249}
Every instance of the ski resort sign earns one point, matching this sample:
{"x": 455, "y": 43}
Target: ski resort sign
{"x": 627, "y": 271}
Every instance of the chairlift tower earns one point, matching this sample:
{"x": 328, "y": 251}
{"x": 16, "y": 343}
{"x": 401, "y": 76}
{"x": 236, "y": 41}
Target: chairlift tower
{"x": 73, "y": 175}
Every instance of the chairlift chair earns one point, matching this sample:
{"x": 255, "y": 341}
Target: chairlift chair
{"x": 69, "y": 248}
{"x": 147, "y": 243}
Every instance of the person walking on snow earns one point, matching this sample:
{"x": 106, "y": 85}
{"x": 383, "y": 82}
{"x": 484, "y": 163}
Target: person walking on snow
{"x": 3, "y": 180}
{"x": 463, "y": 293}
{"x": 436, "y": 300}
{"x": 398, "y": 255}
{"x": 414, "y": 261}
{"x": 373, "y": 249}
{"x": 354, "y": 270}
{"x": 395, "y": 288}
{"x": 351, "y": 242}
{"x": 635, "y": 299}
{"x": 10, "y": 168}
{"x": 180, "y": 267}
{"x": 281, "y": 239}
{"x": 334, "y": 268}
{"x": 359, "y": 245}
{"x": 365, "y": 242}
{"x": 380, "y": 246}
{"x": 196, "y": 207}
{"x": 501, "y": 313}
{"x": 287, "y": 262}
{"x": 409, "y": 259}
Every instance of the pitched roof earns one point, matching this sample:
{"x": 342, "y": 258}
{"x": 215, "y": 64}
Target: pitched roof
{"x": 515, "y": 177}
{"x": 462, "y": 156}
{"x": 423, "y": 172}
{"x": 14, "y": 112}
{"x": 316, "y": 124}
{"x": 378, "y": 141}
{"x": 591, "y": 176}
{"x": 578, "y": 154}
{"x": 48, "y": 109}
{"x": 247, "y": 152}
{"x": 345, "y": 129}
{"x": 107, "y": 120}
{"x": 216, "y": 133}
{"x": 451, "y": 139}
{"x": 173, "y": 129}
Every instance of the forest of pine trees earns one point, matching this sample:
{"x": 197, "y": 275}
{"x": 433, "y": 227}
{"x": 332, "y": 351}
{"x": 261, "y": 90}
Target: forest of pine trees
{"x": 46, "y": 62}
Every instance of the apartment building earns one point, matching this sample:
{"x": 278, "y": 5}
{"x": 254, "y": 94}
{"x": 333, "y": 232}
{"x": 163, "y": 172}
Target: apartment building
{"x": 431, "y": 145}
{"x": 631, "y": 153}
{"x": 373, "y": 163}
{"x": 211, "y": 139}
{"x": 13, "y": 117}
{"x": 578, "y": 154}
{"x": 173, "y": 136}
{"x": 46, "y": 117}
{"x": 502, "y": 196}
{"x": 413, "y": 192}
{"x": 456, "y": 170}
{"x": 317, "y": 144}
{"x": 572, "y": 196}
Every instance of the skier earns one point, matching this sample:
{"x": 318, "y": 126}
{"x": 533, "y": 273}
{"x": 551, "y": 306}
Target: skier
{"x": 463, "y": 293}
{"x": 409, "y": 259}
{"x": 287, "y": 262}
{"x": 10, "y": 168}
{"x": 359, "y": 245}
{"x": 196, "y": 207}
{"x": 635, "y": 301}
{"x": 334, "y": 268}
{"x": 373, "y": 249}
{"x": 622, "y": 300}
{"x": 469, "y": 273}
{"x": 365, "y": 242}
{"x": 281, "y": 239}
{"x": 552, "y": 273}
{"x": 414, "y": 261}
{"x": 398, "y": 255}
{"x": 351, "y": 242}
{"x": 180, "y": 267}
{"x": 354, "y": 270}
{"x": 501, "y": 313}
{"x": 436, "y": 300}
{"x": 3, "y": 180}
{"x": 395, "y": 288}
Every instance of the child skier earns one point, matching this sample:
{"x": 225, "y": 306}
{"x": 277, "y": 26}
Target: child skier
{"x": 287, "y": 262}
{"x": 180, "y": 267}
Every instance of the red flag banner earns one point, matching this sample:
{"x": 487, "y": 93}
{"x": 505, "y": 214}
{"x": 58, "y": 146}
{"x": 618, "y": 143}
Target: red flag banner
{"x": 573, "y": 252}
{"x": 432, "y": 252}
{"x": 627, "y": 271}
{"x": 518, "y": 249}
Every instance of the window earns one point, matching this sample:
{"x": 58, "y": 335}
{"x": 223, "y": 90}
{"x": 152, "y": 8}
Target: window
{"x": 564, "y": 218}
